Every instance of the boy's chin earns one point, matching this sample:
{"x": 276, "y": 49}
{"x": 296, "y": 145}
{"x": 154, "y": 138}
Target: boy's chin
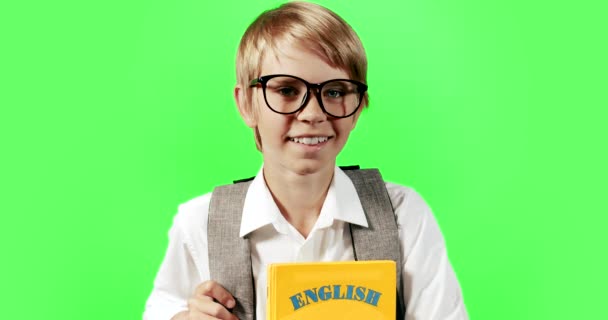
{"x": 310, "y": 166}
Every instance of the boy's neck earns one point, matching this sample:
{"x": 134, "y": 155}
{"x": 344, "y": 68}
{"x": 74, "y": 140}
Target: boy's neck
{"x": 299, "y": 197}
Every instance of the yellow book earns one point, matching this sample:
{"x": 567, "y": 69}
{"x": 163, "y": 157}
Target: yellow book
{"x": 350, "y": 290}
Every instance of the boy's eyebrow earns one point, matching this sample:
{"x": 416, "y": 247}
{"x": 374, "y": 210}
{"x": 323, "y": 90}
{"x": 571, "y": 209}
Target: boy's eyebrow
{"x": 288, "y": 80}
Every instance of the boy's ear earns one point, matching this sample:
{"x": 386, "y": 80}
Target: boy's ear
{"x": 246, "y": 111}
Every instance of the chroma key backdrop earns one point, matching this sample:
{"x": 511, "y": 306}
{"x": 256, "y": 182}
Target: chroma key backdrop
{"x": 112, "y": 113}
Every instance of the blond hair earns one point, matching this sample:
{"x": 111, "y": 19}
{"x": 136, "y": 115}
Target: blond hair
{"x": 320, "y": 29}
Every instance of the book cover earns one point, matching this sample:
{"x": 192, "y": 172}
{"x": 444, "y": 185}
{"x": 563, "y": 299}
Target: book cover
{"x": 350, "y": 290}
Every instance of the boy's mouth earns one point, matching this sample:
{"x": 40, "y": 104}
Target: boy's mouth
{"x": 309, "y": 140}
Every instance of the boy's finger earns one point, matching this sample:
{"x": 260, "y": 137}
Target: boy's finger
{"x": 216, "y": 291}
{"x": 201, "y": 309}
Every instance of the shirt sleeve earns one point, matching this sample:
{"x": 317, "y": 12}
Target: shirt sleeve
{"x": 431, "y": 289}
{"x": 177, "y": 277}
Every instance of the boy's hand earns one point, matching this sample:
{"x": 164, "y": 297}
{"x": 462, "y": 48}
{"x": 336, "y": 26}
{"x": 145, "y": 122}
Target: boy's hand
{"x": 209, "y": 301}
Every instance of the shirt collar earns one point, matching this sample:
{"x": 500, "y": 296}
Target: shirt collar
{"x": 259, "y": 208}
{"x": 341, "y": 203}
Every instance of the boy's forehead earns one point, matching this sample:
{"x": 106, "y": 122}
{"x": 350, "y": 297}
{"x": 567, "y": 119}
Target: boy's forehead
{"x": 299, "y": 59}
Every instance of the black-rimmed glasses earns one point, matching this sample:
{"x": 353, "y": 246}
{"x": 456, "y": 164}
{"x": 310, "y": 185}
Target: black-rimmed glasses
{"x": 286, "y": 94}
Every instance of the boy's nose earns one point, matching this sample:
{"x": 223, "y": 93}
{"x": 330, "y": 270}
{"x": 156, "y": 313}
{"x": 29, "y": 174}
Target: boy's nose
{"x": 312, "y": 112}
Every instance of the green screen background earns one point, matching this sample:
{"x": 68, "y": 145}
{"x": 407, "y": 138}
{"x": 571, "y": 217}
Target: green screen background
{"x": 114, "y": 112}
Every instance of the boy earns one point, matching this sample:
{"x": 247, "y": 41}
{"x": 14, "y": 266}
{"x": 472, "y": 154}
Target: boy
{"x": 301, "y": 73}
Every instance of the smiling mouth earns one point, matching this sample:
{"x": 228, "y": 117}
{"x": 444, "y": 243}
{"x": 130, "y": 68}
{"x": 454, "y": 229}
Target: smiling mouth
{"x": 309, "y": 141}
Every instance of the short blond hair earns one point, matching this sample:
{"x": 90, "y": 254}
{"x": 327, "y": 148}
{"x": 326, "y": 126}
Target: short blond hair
{"x": 318, "y": 28}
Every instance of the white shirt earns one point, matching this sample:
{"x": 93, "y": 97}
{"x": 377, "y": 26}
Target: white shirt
{"x": 431, "y": 288}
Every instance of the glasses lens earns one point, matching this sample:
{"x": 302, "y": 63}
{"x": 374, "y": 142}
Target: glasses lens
{"x": 285, "y": 94}
{"x": 340, "y": 98}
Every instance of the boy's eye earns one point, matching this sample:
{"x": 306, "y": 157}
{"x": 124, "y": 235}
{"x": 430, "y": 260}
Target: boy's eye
{"x": 334, "y": 93}
{"x": 287, "y": 91}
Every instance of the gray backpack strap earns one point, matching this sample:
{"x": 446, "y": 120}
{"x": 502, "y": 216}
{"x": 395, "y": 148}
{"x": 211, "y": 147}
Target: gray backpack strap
{"x": 381, "y": 240}
{"x": 229, "y": 254}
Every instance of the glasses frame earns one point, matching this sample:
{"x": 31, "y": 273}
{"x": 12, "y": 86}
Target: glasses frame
{"x": 263, "y": 80}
